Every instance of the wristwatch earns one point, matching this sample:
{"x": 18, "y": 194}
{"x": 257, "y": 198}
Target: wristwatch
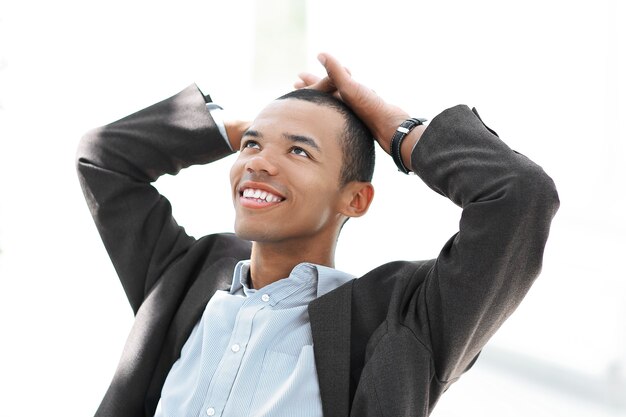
{"x": 398, "y": 136}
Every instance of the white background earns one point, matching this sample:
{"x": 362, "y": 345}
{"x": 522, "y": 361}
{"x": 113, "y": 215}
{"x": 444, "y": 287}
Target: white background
{"x": 548, "y": 76}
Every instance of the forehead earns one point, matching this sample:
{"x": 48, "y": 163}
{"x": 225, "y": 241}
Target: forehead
{"x": 299, "y": 117}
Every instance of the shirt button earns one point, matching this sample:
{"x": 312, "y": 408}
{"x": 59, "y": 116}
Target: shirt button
{"x": 234, "y": 348}
{"x": 210, "y": 411}
{"x": 265, "y": 297}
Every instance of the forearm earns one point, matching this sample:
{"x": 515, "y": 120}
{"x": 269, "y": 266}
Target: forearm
{"x": 163, "y": 138}
{"x": 458, "y": 157}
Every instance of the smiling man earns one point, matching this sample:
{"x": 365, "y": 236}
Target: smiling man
{"x": 291, "y": 191}
{"x": 259, "y": 323}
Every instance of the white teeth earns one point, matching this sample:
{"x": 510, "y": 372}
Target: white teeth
{"x": 261, "y": 195}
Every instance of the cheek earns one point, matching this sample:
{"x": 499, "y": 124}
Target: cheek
{"x": 235, "y": 171}
{"x": 319, "y": 200}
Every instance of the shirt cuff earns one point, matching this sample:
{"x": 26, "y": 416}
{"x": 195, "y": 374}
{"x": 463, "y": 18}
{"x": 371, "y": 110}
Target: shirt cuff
{"x": 217, "y": 113}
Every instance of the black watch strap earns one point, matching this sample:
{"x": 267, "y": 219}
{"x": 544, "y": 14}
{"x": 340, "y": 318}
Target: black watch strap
{"x": 398, "y": 137}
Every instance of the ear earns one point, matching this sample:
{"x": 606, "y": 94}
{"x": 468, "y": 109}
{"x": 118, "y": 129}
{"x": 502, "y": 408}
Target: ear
{"x": 356, "y": 198}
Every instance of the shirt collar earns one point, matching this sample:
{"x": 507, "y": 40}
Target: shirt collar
{"x": 240, "y": 276}
{"x": 327, "y": 278}
{"x": 330, "y": 278}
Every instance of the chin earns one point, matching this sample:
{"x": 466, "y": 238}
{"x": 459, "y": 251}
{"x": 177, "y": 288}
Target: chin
{"x": 255, "y": 232}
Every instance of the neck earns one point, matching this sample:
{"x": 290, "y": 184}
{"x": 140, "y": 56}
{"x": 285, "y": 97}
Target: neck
{"x": 271, "y": 262}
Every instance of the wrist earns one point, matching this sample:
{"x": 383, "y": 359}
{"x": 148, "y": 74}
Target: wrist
{"x": 235, "y": 130}
{"x": 385, "y": 133}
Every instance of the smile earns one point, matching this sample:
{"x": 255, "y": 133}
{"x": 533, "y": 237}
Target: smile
{"x": 257, "y": 198}
{"x": 260, "y": 195}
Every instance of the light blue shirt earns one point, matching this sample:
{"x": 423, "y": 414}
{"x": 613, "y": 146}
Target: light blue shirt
{"x": 251, "y": 353}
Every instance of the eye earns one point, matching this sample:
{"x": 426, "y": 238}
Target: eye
{"x": 251, "y": 144}
{"x": 296, "y": 150}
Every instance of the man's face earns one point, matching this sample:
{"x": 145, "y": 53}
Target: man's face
{"x": 285, "y": 182}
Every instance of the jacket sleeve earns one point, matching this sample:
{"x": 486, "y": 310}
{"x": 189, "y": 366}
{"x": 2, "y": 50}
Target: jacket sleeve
{"x": 483, "y": 272}
{"x": 116, "y": 165}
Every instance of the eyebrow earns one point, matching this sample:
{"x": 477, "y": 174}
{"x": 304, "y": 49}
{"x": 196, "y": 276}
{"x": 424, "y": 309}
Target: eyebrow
{"x": 291, "y": 137}
{"x": 253, "y": 133}
{"x": 302, "y": 139}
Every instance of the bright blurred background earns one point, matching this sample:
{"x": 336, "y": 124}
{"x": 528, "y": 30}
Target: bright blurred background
{"x": 548, "y": 76}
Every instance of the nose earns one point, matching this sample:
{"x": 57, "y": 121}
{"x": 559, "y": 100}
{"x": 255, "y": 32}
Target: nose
{"x": 261, "y": 164}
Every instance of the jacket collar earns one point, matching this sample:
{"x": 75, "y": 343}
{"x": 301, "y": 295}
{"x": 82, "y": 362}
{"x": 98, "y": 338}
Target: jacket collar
{"x": 217, "y": 277}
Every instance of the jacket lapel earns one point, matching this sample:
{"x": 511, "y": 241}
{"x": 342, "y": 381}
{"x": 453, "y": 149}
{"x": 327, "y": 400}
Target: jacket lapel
{"x": 218, "y": 277}
{"x": 330, "y": 325}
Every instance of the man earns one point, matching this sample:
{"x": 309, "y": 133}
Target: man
{"x": 284, "y": 334}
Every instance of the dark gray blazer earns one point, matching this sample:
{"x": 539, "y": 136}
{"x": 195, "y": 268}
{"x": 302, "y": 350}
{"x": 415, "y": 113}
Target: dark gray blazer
{"x": 386, "y": 344}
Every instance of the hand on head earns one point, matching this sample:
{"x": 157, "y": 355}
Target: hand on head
{"x": 380, "y": 117}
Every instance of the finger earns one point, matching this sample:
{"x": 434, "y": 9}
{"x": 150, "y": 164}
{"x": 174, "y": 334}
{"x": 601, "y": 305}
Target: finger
{"x": 336, "y": 72}
{"x": 364, "y": 101}
{"x": 308, "y": 78}
{"x": 356, "y": 95}
{"x": 325, "y": 84}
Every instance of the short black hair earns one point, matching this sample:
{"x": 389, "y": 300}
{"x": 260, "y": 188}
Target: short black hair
{"x": 357, "y": 143}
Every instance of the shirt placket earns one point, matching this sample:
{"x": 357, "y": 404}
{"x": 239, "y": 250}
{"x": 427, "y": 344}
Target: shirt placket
{"x": 228, "y": 368}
